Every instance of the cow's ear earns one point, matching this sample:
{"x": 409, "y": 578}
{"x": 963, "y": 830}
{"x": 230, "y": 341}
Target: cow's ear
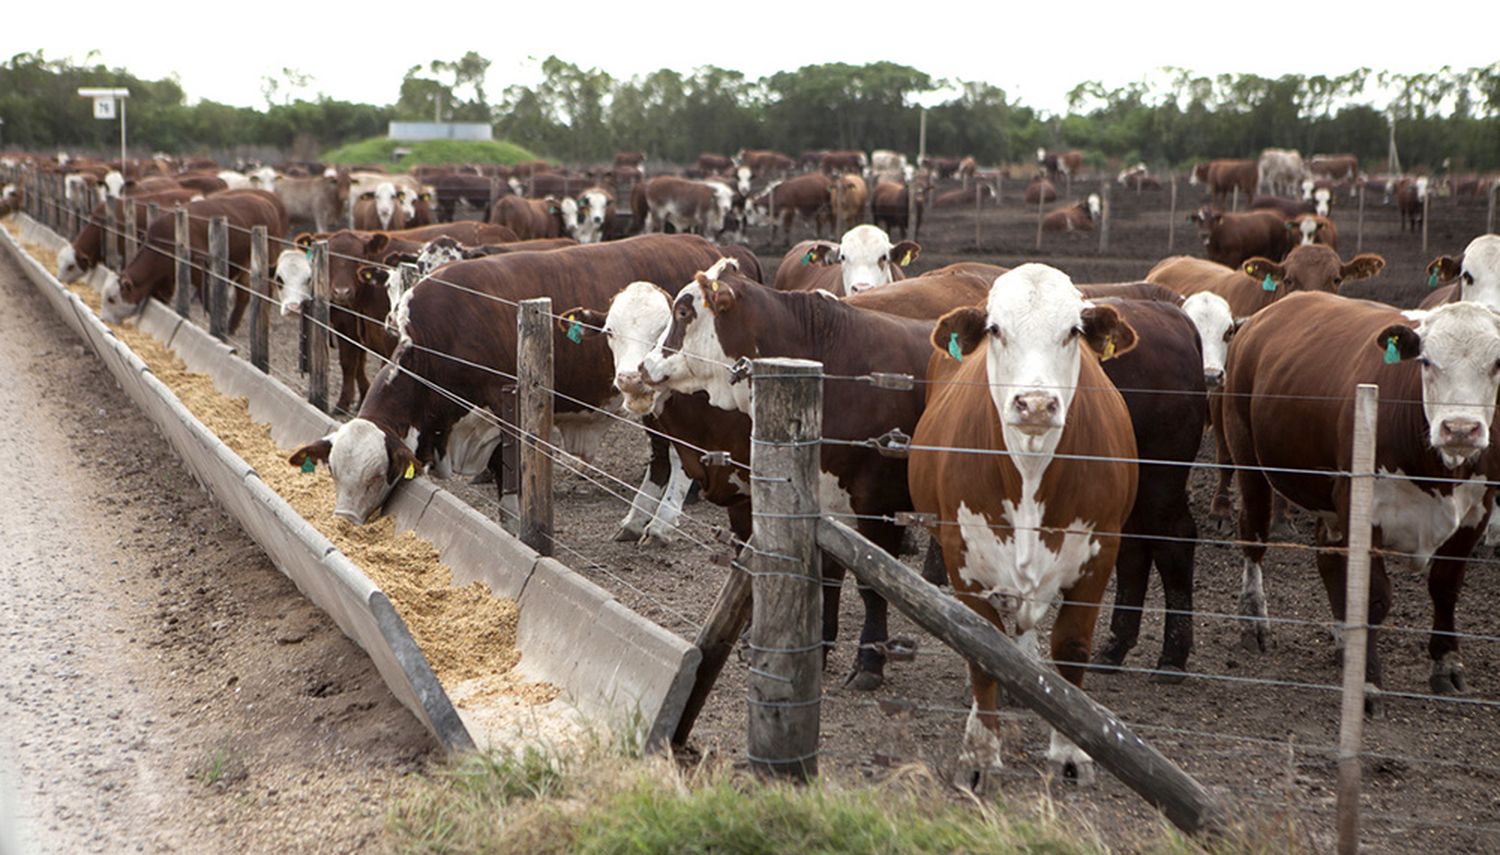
{"x": 822, "y": 253}
{"x": 1399, "y": 342}
{"x": 367, "y": 196}
{"x": 1235, "y": 327}
{"x": 393, "y": 259}
{"x": 1263, "y": 270}
{"x": 376, "y": 244}
{"x": 311, "y": 453}
{"x": 905, "y": 252}
{"x": 960, "y": 331}
{"x": 1444, "y": 269}
{"x": 1291, "y": 225}
{"x": 1107, "y": 334}
{"x": 719, "y": 296}
{"x": 579, "y": 323}
{"x": 303, "y": 240}
{"x": 401, "y": 463}
{"x": 365, "y": 274}
{"x": 1362, "y": 266}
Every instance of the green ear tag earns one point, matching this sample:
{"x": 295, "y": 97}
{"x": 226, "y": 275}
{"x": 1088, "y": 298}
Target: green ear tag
{"x": 807, "y": 258}
{"x": 308, "y": 465}
{"x": 1432, "y": 279}
{"x": 953, "y": 350}
{"x": 1266, "y": 284}
{"x": 575, "y": 332}
{"x": 1391, "y": 356}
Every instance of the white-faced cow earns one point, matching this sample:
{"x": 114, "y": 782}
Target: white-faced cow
{"x": 865, "y": 258}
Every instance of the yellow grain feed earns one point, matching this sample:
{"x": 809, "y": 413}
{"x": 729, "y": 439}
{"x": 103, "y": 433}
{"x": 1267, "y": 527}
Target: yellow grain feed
{"x": 466, "y": 632}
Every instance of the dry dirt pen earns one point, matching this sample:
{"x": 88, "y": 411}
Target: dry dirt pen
{"x": 1260, "y": 729}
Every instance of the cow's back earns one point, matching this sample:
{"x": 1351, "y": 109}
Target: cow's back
{"x": 926, "y": 297}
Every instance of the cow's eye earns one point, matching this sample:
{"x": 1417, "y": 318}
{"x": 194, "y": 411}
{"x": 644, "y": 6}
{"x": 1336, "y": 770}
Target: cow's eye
{"x": 1337, "y": 281}
{"x": 1467, "y": 277}
{"x": 1424, "y": 362}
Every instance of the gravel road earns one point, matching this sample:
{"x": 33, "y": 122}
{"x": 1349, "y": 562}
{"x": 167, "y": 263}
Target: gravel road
{"x": 163, "y": 687}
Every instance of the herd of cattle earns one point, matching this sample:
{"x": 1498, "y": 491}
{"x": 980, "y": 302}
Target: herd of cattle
{"x": 1052, "y": 423}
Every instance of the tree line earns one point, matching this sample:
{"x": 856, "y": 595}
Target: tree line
{"x": 578, "y": 115}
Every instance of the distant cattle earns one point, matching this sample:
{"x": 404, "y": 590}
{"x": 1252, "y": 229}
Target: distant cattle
{"x": 629, "y": 158}
{"x": 1287, "y": 207}
{"x": 942, "y": 167}
{"x": 893, "y": 208}
{"x": 1260, "y": 282}
{"x": 1056, "y": 165}
{"x": 1077, "y": 217}
{"x": 1040, "y": 191}
{"x": 1411, "y": 201}
{"x": 1224, "y": 178}
{"x": 834, "y": 162}
{"x": 535, "y": 218}
{"x": 714, "y": 163}
{"x": 1281, "y": 171}
{"x": 685, "y": 205}
{"x": 863, "y": 259}
{"x": 1230, "y": 239}
{"x": 1311, "y": 228}
{"x": 806, "y": 197}
{"x": 848, "y": 195}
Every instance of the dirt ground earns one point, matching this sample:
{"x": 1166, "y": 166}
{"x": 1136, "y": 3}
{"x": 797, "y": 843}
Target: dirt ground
{"x": 165, "y": 688}
{"x": 1432, "y": 767}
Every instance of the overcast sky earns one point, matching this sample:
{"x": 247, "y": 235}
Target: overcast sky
{"x": 1035, "y": 51}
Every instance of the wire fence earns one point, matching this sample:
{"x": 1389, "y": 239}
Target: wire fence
{"x": 707, "y": 538}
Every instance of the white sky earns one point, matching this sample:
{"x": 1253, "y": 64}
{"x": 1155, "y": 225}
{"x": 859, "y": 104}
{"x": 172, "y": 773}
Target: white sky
{"x": 1035, "y": 51}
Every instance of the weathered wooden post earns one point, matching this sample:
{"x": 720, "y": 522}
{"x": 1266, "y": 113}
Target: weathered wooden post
{"x": 1426, "y": 209}
{"x": 1356, "y": 615}
{"x": 318, "y": 329}
{"x": 534, "y": 409}
{"x": 977, "y": 185}
{"x": 1104, "y": 216}
{"x": 999, "y": 189}
{"x": 217, "y": 278}
{"x": 1234, "y": 198}
{"x": 182, "y": 253}
{"x": 1172, "y": 216}
{"x": 838, "y": 207}
{"x": 132, "y": 239}
{"x": 153, "y": 210}
{"x": 494, "y": 196}
{"x": 111, "y": 227}
{"x": 1489, "y": 218}
{"x": 786, "y": 646}
{"x": 260, "y": 301}
{"x": 1359, "y": 224}
{"x": 1041, "y": 211}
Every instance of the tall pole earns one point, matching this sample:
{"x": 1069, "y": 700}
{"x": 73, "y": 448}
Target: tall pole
{"x": 122, "y": 135}
{"x": 1356, "y": 616}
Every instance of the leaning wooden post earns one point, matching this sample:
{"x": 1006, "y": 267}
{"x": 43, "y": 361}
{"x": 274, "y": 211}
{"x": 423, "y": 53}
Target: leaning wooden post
{"x": 111, "y": 227}
{"x": 1356, "y": 615}
{"x": 132, "y": 240}
{"x": 1172, "y": 217}
{"x": 1426, "y": 207}
{"x": 786, "y": 636}
{"x": 260, "y": 301}
{"x": 318, "y": 330}
{"x": 216, "y": 295}
{"x": 1359, "y": 224}
{"x": 1103, "y": 216}
{"x": 1041, "y": 210}
{"x": 182, "y": 252}
{"x": 534, "y": 411}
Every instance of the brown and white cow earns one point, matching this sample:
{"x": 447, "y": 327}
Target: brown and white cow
{"x": 1288, "y": 408}
{"x": 317, "y": 199}
{"x": 1077, "y": 217}
{"x": 1259, "y": 281}
{"x": 596, "y": 213}
{"x": 1231, "y": 239}
{"x": 863, "y": 259}
{"x": 1223, "y": 177}
{"x": 1311, "y": 228}
{"x": 892, "y": 208}
{"x": 1411, "y": 201}
{"x": 716, "y": 321}
{"x": 835, "y": 162}
{"x": 686, "y": 205}
{"x": 629, "y": 158}
{"x": 1039, "y": 191}
{"x": 86, "y": 253}
{"x": 1335, "y": 167}
{"x": 806, "y": 196}
{"x": 1056, "y": 165}
{"x": 461, "y": 331}
{"x": 714, "y": 162}
{"x": 151, "y": 273}
{"x": 960, "y": 197}
{"x": 536, "y": 218}
{"x": 1474, "y": 276}
{"x": 379, "y": 209}
{"x": 1023, "y": 521}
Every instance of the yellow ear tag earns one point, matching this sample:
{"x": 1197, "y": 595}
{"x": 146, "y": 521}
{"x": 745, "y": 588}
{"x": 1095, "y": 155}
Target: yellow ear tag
{"x": 714, "y": 284}
{"x": 1109, "y": 350}
{"x": 411, "y": 471}
{"x": 906, "y": 259}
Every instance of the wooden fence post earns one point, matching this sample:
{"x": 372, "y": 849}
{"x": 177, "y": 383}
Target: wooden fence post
{"x": 786, "y": 636}
{"x": 78, "y": 214}
{"x": 1234, "y": 198}
{"x": 183, "y": 254}
{"x": 318, "y": 329}
{"x": 1426, "y": 208}
{"x": 1104, "y": 216}
{"x": 132, "y": 240}
{"x": 1172, "y": 216}
{"x": 1356, "y": 615}
{"x": 1359, "y": 224}
{"x": 217, "y": 278}
{"x": 111, "y": 227}
{"x": 534, "y": 410}
{"x": 838, "y": 207}
{"x": 977, "y": 184}
{"x": 494, "y": 196}
{"x": 153, "y": 210}
{"x": 1041, "y": 211}
{"x": 1489, "y": 218}
{"x": 260, "y": 301}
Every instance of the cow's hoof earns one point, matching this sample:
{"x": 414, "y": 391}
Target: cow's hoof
{"x": 485, "y": 477}
{"x": 864, "y": 681}
{"x": 1447, "y": 676}
{"x": 973, "y": 777}
{"x": 1109, "y": 656}
{"x": 625, "y": 535}
{"x": 1374, "y": 702}
{"x": 1077, "y": 772}
{"x": 1255, "y": 636}
{"x": 653, "y": 539}
{"x": 1167, "y": 675}
{"x": 1282, "y": 529}
{"x": 1221, "y": 509}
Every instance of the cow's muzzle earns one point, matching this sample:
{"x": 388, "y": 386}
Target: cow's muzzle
{"x": 1035, "y": 413}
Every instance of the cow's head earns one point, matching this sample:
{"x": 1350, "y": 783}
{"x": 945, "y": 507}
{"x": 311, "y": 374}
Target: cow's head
{"x": 1309, "y": 229}
{"x": 435, "y": 253}
{"x": 1041, "y": 155}
{"x": 694, "y": 354}
{"x": 1095, "y": 207}
{"x": 386, "y": 200}
{"x": 868, "y": 258}
{"x": 1458, "y": 348}
{"x": 72, "y": 264}
{"x": 1322, "y": 199}
{"x": 1216, "y": 325}
{"x": 638, "y": 316}
{"x": 1034, "y": 329}
{"x": 742, "y": 176}
{"x": 593, "y": 214}
{"x": 294, "y": 275}
{"x": 366, "y": 462}
{"x": 114, "y": 182}
{"x": 120, "y": 299}
{"x": 1313, "y": 267}
{"x": 1477, "y": 271}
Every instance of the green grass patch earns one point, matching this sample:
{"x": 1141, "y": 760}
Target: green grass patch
{"x": 383, "y": 150}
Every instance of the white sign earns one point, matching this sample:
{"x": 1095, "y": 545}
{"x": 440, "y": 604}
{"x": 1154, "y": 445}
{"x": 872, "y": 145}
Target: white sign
{"x": 104, "y": 108}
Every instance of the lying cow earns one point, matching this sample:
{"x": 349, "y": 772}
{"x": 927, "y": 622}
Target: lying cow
{"x": 1077, "y": 217}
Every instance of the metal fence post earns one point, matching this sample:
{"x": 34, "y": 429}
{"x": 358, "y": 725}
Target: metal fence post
{"x": 534, "y": 411}
{"x": 786, "y": 647}
{"x": 1356, "y": 615}
{"x": 182, "y": 253}
{"x": 260, "y": 301}
{"x": 216, "y": 294}
{"x": 318, "y": 329}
